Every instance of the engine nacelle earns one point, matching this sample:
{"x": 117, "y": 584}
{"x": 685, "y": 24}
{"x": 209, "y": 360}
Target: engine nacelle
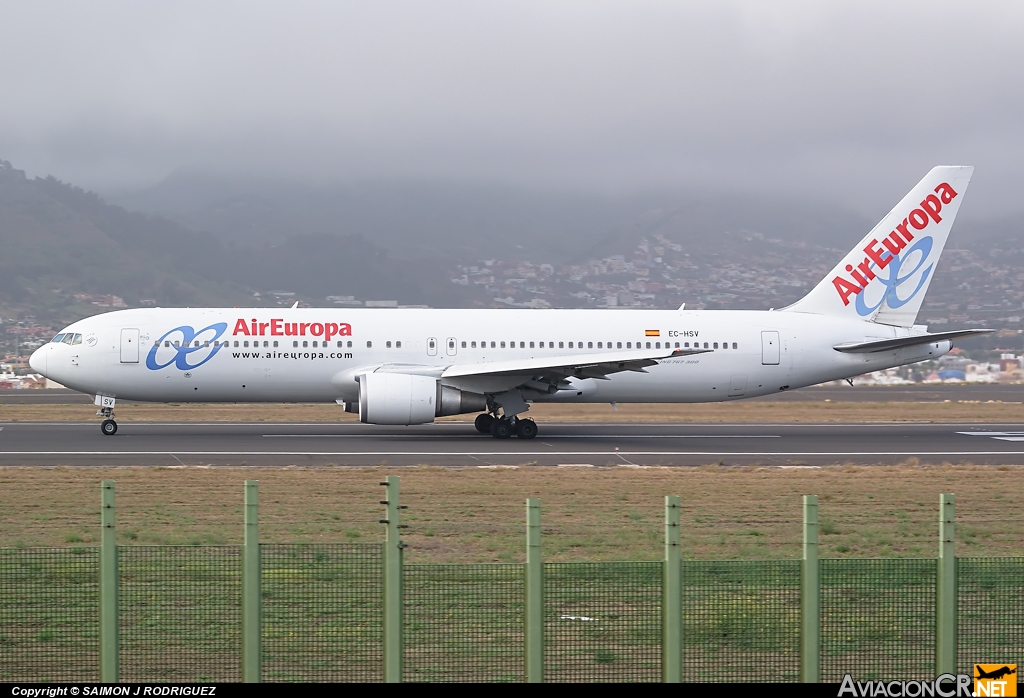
{"x": 401, "y": 398}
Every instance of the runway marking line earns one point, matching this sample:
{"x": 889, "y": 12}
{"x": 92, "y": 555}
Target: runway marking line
{"x": 556, "y": 436}
{"x": 511, "y": 453}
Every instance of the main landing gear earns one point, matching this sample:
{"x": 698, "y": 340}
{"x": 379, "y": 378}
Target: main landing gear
{"x": 504, "y": 428}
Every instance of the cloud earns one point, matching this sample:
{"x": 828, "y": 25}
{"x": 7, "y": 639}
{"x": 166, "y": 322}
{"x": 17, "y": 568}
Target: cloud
{"x": 850, "y": 102}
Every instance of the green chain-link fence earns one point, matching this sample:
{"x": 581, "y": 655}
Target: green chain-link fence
{"x": 878, "y": 619}
{"x": 322, "y": 617}
{"x": 180, "y": 613}
{"x": 463, "y": 622}
{"x": 322, "y": 612}
{"x": 49, "y": 623}
{"x": 741, "y": 621}
{"x": 602, "y": 621}
{"x": 990, "y": 611}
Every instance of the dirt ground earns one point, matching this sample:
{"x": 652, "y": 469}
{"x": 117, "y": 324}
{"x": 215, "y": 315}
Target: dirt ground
{"x": 731, "y": 412}
{"x": 477, "y": 514}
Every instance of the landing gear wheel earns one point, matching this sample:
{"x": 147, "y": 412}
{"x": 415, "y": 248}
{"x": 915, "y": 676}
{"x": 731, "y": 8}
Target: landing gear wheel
{"x": 501, "y": 429}
{"x": 526, "y": 428}
{"x": 483, "y": 423}
{"x": 108, "y": 427}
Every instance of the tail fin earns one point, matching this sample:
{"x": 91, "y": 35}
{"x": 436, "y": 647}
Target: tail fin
{"x": 884, "y": 279}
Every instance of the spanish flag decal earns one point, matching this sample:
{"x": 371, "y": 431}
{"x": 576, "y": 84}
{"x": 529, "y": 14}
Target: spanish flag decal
{"x": 652, "y": 333}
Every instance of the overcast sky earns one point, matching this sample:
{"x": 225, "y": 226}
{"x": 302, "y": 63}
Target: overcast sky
{"x": 847, "y": 102}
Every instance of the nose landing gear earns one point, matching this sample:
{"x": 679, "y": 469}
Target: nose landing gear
{"x": 106, "y": 410}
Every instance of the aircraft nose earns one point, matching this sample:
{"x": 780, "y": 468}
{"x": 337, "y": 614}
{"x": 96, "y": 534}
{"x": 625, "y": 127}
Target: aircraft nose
{"x": 38, "y": 360}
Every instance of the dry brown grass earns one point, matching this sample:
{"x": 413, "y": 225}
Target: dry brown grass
{"x": 476, "y": 514}
{"x": 732, "y": 412}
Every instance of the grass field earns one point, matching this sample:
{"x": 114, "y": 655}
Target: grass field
{"x": 731, "y": 412}
{"x": 476, "y": 514}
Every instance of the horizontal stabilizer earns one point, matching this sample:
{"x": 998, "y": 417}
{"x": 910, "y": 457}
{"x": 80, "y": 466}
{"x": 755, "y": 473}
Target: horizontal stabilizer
{"x": 900, "y": 342}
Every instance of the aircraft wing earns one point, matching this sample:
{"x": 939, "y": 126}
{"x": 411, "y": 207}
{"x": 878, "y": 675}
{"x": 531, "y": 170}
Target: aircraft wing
{"x": 546, "y": 373}
{"x": 900, "y": 342}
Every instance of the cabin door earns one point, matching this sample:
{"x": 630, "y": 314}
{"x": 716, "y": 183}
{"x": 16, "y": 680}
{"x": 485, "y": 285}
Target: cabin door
{"x": 129, "y": 346}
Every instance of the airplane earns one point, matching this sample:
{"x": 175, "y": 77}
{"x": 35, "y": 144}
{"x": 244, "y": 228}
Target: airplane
{"x": 410, "y": 366}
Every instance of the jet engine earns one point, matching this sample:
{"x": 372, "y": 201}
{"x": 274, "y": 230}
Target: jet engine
{"x": 401, "y": 398}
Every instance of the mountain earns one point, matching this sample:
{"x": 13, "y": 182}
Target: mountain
{"x": 432, "y": 219}
{"x": 59, "y": 241}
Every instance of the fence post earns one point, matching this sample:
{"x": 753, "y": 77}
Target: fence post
{"x": 534, "y": 595}
{"x": 672, "y": 597}
{"x": 392, "y": 582}
{"x": 946, "y": 591}
{"x": 252, "y": 602}
{"x": 110, "y": 646}
{"x": 810, "y": 596}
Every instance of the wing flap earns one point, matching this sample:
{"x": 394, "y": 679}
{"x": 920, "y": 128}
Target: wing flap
{"x": 580, "y": 365}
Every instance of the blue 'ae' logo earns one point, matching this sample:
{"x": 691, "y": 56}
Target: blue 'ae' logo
{"x": 177, "y": 349}
{"x": 891, "y": 284}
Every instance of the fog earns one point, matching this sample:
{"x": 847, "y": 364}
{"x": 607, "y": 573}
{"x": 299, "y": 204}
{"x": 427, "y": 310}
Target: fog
{"x": 843, "y": 103}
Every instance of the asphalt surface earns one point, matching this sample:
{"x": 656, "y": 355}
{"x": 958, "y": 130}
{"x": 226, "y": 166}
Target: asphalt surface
{"x": 449, "y": 444}
{"x": 844, "y": 393}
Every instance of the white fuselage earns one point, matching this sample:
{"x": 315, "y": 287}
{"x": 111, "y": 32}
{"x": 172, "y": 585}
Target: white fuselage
{"x": 283, "y": 355}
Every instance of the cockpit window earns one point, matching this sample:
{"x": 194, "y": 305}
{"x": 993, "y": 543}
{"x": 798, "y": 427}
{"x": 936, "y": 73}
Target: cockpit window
{"x": 78, "y": 339}
{"x": 68, "y": 338}
{"x": 58, "y": 337}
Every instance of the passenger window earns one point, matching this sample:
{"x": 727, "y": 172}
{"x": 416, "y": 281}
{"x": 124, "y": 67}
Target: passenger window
{"x": 629, "y": 345}
{"x": 494, "y": 345}
{"x": 677, "y": 345}
{"x": 716, "y": 345}
{"x": 502, "y": 345}
{"x": 705, "y": 345}
{"x": 387, "y": 345}
{"x": 648, "y": 345}
{"x": 463, "y": 345}
{"x": 686, "y": 345}
{"x": 657, "y": 345}
{"x": 369, "y": 345}
{"x": 275, "y": 344}
{"x": 590, "y": 345}
{"x": 618, "y": 345}
{"x": 599, "y": 345}
{"x": 58, "y": 337}
{"x": 305, "y": 344}
{"x": 561, "y": 345}
{"x": 531, "y": 345}
{"x": 522, "y": 345}
{"x": 472, "y": 345}
{"x": 570, "y": 345}
{"x": 267, "y": 344}
{"x": 339, "y": 344}
{"x": 734, "y": 345}
{"x": 295, "y": 344}
{"x": 398, "y": 345}
{"x": 177, "y": 344}
{"x": 236, "y": 344}
{"x": 350, "y": 344}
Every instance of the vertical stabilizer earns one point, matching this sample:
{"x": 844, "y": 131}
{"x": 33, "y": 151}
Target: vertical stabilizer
{"x": 885, "y": 277}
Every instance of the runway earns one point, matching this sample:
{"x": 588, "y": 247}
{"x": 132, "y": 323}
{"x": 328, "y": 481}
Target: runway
{"x": 451, "y": 444}
{"x": 983, "y": 392}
